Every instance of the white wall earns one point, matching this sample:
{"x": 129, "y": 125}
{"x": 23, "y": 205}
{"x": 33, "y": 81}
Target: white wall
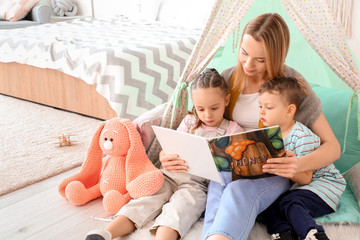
{"x": 107, "y": 8}
{"x": 84, "y": 7}
{"x": 354, "y": 40}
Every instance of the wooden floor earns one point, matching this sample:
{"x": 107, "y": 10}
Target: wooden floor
{"x": 39, "y": 212}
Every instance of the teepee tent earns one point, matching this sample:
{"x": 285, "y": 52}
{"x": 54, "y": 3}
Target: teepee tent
{"x": 312, "y": 18}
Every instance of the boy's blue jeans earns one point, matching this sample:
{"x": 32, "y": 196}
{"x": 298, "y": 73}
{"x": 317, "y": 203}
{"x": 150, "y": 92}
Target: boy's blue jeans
{"x": 231, "y": 210}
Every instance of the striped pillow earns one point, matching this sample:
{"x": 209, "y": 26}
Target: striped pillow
{"x": 14, "y": 10}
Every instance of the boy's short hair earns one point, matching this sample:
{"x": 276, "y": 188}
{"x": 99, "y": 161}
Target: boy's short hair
{"x": 288, "y": 87}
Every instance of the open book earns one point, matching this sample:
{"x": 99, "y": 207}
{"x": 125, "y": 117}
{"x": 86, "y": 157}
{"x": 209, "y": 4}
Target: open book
{"x": 241, "y": 153}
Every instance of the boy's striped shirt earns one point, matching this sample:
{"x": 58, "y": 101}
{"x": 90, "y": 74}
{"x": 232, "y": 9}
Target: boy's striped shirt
{"x": 326, "y": 182}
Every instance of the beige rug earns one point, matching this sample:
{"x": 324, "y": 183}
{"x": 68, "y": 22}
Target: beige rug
{"x": 27, "y": 150}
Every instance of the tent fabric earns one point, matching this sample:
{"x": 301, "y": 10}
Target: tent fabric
{"x": 342, "y": 11}
{"x": 318, "y": 27}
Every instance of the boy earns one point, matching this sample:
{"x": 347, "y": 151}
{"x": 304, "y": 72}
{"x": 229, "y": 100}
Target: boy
{"x": 314, "y": 193}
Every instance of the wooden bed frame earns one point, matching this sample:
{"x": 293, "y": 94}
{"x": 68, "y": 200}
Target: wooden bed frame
{"x": 53, "y": 88}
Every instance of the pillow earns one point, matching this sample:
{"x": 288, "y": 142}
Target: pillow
{"x": 335, "y": 104}
{"x": 353, "y": 178}
{"x": 144, "y": 122}
{"x": 348, "y": 211}
{"x": 14, "y": 10}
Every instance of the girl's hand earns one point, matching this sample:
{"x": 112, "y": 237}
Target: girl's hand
{"x": 285, "y": 166}
{"x": 172, "y": 163}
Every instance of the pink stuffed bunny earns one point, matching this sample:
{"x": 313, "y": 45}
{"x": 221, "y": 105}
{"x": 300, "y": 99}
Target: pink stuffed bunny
{"x": 127, "y": 174}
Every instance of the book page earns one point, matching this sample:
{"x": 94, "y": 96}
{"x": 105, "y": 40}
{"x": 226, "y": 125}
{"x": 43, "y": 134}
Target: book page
{"x": 191, "y": 148}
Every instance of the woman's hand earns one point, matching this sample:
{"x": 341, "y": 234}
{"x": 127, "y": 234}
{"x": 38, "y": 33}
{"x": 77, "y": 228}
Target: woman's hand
{"x": 285, "y": 166}
{"x": 172, "y": 163}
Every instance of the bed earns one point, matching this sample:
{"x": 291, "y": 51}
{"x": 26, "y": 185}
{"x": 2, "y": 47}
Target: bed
{"x": 97, "y": 67}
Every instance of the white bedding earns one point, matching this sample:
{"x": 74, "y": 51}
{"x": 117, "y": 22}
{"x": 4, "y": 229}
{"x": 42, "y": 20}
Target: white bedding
{"x": 135, "y": 65}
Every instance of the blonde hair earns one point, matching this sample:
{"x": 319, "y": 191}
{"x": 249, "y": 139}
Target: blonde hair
{"x": 271, "y": 30}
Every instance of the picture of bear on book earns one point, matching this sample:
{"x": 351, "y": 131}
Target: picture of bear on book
{"x": 244, "y": 154}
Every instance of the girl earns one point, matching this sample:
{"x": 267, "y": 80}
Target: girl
{"x": 181, "y": 200}
{"x": 263, "y": 48}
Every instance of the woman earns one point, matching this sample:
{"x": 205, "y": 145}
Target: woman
{"x": 231, "y": 211}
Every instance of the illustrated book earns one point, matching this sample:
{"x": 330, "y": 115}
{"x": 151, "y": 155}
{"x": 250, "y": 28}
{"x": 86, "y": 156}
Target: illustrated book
{"x": 241, "y": 153}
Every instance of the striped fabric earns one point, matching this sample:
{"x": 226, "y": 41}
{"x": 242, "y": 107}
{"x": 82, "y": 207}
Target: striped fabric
{"x": 326, "y": 182}
{"x": 301, "y": 140}
{"x": 136, "y": 66}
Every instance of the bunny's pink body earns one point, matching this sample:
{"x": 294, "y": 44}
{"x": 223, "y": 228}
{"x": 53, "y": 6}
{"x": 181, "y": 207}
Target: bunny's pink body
{"x": 127, "y": 174}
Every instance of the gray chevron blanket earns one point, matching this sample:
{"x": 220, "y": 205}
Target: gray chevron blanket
{"x": 135, "y": 66}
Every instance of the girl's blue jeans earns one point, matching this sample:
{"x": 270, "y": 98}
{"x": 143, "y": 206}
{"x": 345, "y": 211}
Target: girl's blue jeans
{"x": 231, "y": 210}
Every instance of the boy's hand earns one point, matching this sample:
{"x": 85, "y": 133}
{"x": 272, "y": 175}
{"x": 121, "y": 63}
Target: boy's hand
{"x": 285, "y": 166}
{"x": 172, "y": 163}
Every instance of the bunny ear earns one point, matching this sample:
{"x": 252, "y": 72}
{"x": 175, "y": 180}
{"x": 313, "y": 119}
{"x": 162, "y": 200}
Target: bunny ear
{"x": 137, "y": 161}
{"x": 91, "y": 168}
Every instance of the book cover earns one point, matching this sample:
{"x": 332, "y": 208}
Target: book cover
{"x": 241, "y": 153}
